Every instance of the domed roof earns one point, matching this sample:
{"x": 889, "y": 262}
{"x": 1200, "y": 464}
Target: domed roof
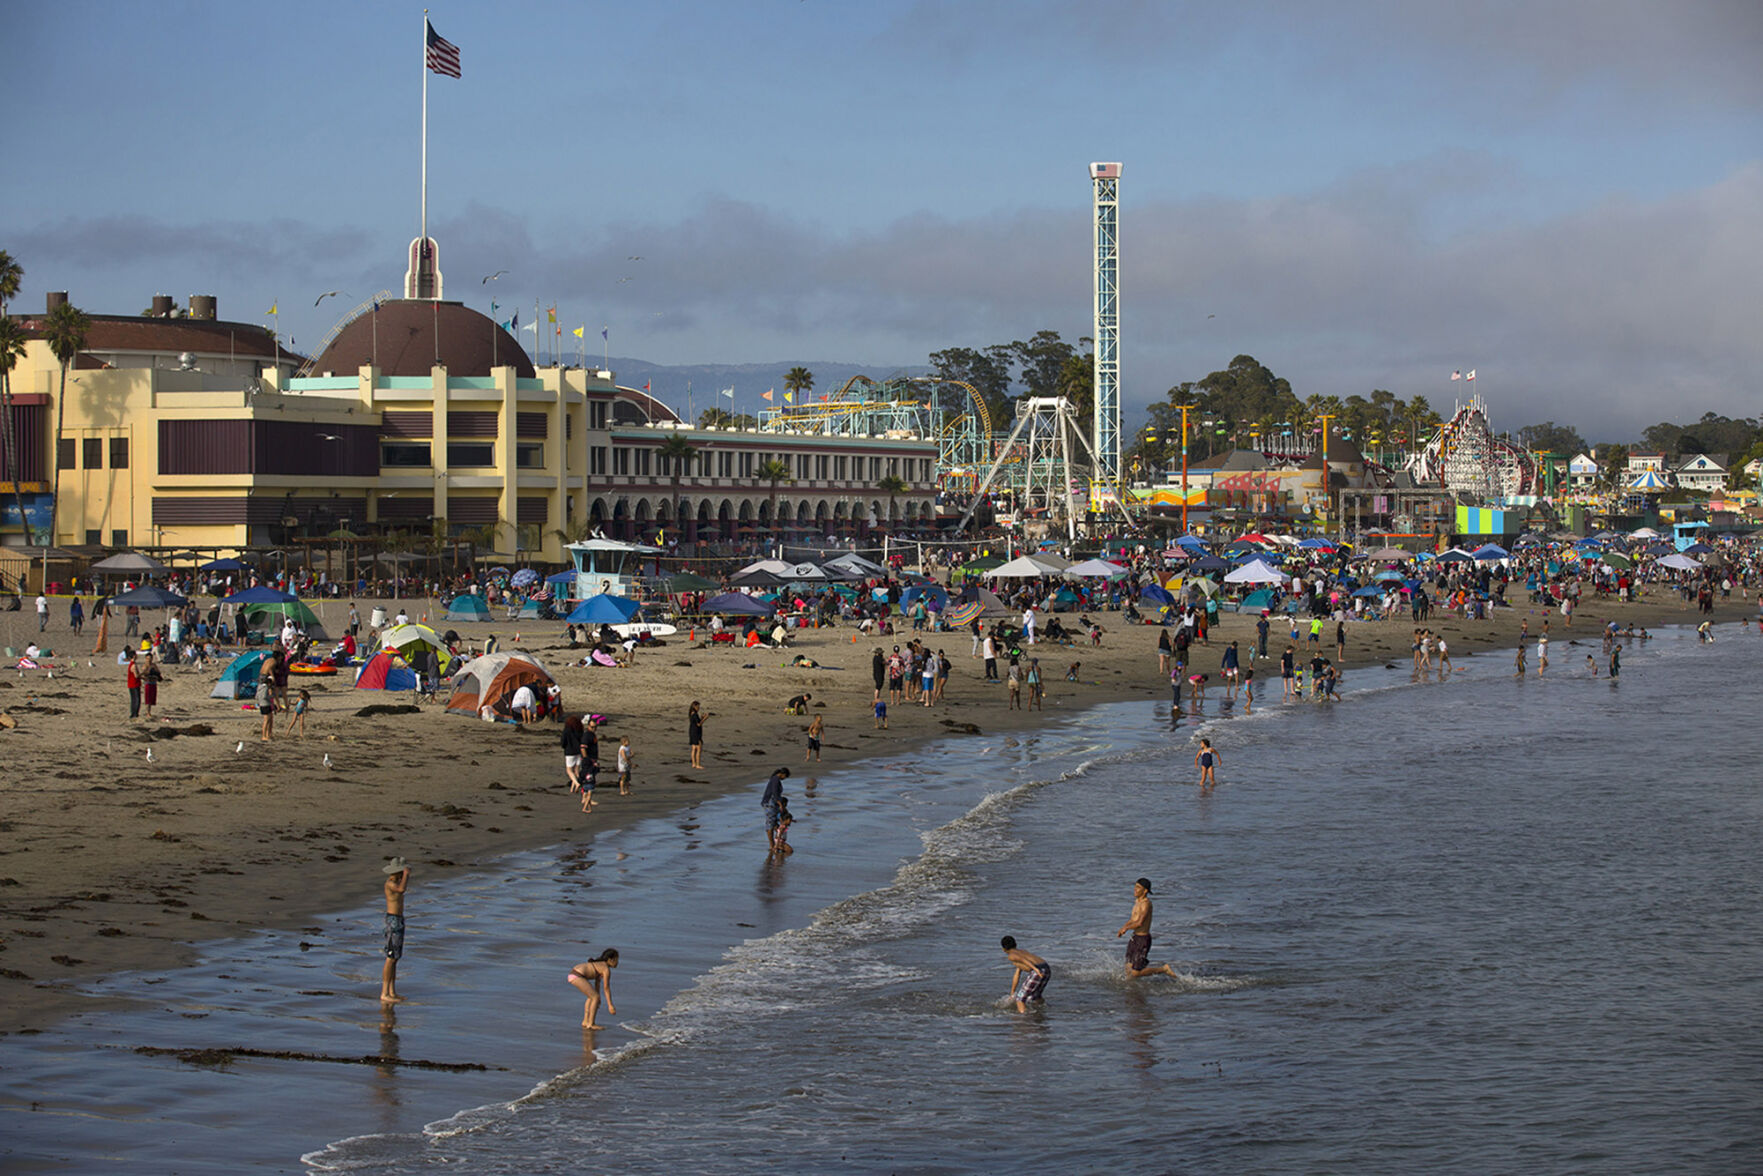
{"x": 414, "y": 335}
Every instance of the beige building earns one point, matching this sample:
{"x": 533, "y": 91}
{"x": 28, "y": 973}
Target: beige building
{"x": 422, "y": 417}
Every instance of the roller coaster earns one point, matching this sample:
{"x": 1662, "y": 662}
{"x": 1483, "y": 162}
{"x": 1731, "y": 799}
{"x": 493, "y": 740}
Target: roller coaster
{"x": 951, "y": 411}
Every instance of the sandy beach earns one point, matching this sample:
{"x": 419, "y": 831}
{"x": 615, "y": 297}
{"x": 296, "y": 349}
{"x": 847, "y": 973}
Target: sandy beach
{"x": 112, "y": 862}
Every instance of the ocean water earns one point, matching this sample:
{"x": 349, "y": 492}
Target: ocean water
{"x": 1471, "y": 925}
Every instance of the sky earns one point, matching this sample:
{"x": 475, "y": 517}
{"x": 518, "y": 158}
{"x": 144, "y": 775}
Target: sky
{"x": 1565, "y": 196}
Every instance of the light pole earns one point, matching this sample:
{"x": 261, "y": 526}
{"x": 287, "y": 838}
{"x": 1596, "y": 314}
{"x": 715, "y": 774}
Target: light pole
{"x": 1326, "y": 512}
{"x": 1184, "y": 469}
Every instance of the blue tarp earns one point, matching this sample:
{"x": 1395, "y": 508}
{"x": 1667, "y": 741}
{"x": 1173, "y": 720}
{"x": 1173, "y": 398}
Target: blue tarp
{"x": 737, "y": 604}
{"x": 560, "y": 578}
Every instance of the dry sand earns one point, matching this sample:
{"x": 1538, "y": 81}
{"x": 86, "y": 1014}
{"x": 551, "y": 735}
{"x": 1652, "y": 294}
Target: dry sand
{"x": 114, "y": 863}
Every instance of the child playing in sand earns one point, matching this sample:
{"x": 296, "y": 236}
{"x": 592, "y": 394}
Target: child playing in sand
{"x": 593, "y": 979}
{"x": 297, "y": 714}
{"x": 881, "y": 712}
{"x": 627, "y": 759}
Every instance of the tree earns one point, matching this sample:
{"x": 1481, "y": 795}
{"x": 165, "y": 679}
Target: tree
{"x": 678, "y": 453}
{"x": 12, "y": 341}
{"x": 798, "y": 379}
{"x": 1562, "y": 440}
{"x": 65, "y": 332}
{"x": 722, "y": 418}
{"x": 891, "y": 486}
{"x": 988, "y": 375}
{"x": 774, "y": 471}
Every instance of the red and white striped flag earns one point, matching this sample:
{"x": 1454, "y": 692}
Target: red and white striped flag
{"x": 443, "y": 55}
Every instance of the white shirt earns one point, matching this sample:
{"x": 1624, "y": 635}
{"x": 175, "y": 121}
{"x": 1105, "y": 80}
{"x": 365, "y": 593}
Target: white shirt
{"x": 42, "y": 604}
{"x": 523, "y": 699}
{"x": 990, "y": 647}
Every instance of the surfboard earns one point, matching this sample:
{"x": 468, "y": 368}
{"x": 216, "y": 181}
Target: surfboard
{"x": 641, "y": 628}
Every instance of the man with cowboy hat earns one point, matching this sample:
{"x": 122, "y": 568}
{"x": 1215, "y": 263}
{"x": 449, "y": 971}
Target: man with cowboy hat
{"x": 397, "y": 873}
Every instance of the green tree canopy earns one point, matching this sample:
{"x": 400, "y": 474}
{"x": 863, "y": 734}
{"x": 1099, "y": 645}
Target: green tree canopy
{"x": 1562, "y": 440}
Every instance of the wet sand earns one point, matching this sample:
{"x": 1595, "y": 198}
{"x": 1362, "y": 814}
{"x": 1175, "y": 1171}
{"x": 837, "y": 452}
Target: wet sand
{"x": 111, "y": 863}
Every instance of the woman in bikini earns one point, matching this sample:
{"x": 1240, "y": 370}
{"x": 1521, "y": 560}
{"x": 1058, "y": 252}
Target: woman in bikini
{"x": 594, "y": 979}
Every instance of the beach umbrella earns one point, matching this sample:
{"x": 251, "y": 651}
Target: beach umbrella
{"x": 1387, "y": 575}
{"x": 148, "y": 596}
{"x": 604, "y": 609}
{"x": 1644, "y": 533}
{"x": 736, "y": 604}
{"x": 1095, "y": 567}
{"x": 1617, "y": 561}
{"x": 524, "y": 577}
{"x": 1023, "y": 567}
{"x": 1368, "y": 590}
{"x": 1676, "y": 561}
{"x": 1697, "y": 549}
{"x": 129, "y": 563}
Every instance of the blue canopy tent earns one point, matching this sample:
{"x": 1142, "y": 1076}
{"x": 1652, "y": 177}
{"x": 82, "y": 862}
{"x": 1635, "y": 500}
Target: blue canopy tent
{"x": 468, "y": 606}
{"x": 147, "y": 596}
{"x": 1488, "y": 552}
{"x": 1315, "y": 543}
{"x": 221, "y": 565}
{"x": 556, "y": 578}
{"x": 239, "y": 679}
{"x": 604, "y": 609}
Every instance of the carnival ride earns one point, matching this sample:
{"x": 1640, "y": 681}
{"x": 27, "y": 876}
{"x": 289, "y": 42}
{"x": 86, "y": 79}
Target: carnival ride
{"x": 950, "y": 411}
{"x": 1464, "y": 455}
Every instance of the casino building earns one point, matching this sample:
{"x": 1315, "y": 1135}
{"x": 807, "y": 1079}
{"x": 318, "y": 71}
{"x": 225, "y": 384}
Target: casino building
{"x": 181, "y": 430}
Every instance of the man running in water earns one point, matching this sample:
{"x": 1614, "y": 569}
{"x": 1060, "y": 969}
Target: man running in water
{"x": 1031, "y": 976}
{"x": 1138, "y": 948}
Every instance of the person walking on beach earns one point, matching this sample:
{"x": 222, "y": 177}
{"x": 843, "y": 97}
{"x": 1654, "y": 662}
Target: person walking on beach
{"x": 42, "y": 611}
{"x": 990, "y": 647}
{"x": 1015, "y": 684}
{"x": 1340, "y": 641}
{"x": 572, "y": 752}
{"x": 593, "y": 979}
{"x": 1543, "y": 650}
{"x": 397, "y": 873}
{"x": 627, "y": 762}
{"x": 76, "y": 615}
{"x": 1262, "y": 625}
{"x": 695, "y": 734}
{"x": 1205, "y": 759}
{"x": 772, "y": 800}
{"x": 815, "y": 730}
{"x": 590, "y": 765}
{"x": 1036, "y": 690}
{"x": 1518, "y": 662}
{"x": 1029, "y": 980}
{"x": 1138, "y": 948}
{"x": 1288, "y": 670}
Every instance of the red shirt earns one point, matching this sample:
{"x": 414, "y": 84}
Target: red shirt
{"x": 134, "y": 678}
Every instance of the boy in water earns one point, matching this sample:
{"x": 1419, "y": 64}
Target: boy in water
{"x": 627, "y": 759}
{"x": 1138, "y": 948}
{"x": 397, "y": 873}
{"x": 1029, "y": 980}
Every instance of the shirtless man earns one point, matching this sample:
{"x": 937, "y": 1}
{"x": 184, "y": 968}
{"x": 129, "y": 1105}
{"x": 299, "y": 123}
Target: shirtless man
{"x": 397, "y": 881}
{"x": 1138, "y": 948}
{"x": 1031, "y": 975}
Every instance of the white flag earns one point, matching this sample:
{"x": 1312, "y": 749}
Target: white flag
{"x": 1457, "y": 375}
{"x": 1471, "y": 374}
{"x": 729, "y": 392}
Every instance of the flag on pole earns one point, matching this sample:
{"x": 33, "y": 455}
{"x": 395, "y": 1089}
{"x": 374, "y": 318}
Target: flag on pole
{"x": 578, "y": 332}
{"x": 533, "y": 327}
{"x": 272, "y": 307}
{"x": 766, "y": 395}
{"x": 603, "y": 331}
{"x": 729, "y": 392}
{"x": 1471, "y": 374}
{"x": 789, "y": 398}
{"x": 1457, "y": 375}
{"x": 645, "y": 385}
{"x": 551, "y": 314}
{"x": 443, "y": 55}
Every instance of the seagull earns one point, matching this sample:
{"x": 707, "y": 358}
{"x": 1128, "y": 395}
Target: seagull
{"x": 326, "y": 294}
{"x": 634, "y": 257}
{"x": 329, "y": 437}
{"x": 623, "y": 280}
{"x": 327, "y": 759}
{"x": 239, "y": 750}
{"x": 149, "y": 755}
{"x": 492, "y": 277}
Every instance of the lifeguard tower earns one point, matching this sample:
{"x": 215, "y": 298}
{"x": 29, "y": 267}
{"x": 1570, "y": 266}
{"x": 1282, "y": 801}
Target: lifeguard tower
{"x": 605, "y": 565}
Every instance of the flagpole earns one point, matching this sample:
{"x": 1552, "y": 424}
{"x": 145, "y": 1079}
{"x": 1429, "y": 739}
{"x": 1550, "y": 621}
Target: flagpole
{"x": 423, "y": 61}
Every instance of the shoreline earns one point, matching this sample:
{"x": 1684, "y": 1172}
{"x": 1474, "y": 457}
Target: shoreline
{"x": 113, "y": 864}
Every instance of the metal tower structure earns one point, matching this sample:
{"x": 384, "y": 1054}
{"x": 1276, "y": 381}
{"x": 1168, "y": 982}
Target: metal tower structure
{"x": 1105, "y": 481}
{"x": 1045, "y": 451}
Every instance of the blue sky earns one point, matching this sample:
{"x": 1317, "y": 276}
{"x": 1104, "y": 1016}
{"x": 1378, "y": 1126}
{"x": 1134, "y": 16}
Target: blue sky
{"x": 1566, "y": 196}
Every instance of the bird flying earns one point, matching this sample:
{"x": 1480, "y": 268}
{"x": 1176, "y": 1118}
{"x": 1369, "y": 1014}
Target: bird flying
{"x": 326, "y": 294}
{"x": 492, "y": 277}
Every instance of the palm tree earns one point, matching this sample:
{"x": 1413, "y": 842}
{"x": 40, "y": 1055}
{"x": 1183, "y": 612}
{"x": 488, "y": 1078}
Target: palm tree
{"x": 679, "y": 453}
{"x": 65, "y": 332}
{"x": 774, "y": 471}
{"x": 798, "y": 379}
{"x": 891, "y": 485}
{"x": 11, "y": 350}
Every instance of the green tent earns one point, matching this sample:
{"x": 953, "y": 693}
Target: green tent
{"x": 689, "y": 582}
{"x": 270, "y": 616}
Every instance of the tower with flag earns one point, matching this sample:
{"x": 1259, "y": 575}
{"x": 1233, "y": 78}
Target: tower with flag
{"x": 423, "y": 277}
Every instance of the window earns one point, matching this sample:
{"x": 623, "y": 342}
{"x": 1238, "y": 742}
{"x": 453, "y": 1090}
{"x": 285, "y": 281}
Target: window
{"x": 119, "y": 453}
{"x": 119, "y": 538}
{"x": 725, "y": 465}
{"x": 621, "y": 459}
{"x": 746, "y": 465}
{"x": 597, "y": 415}
{"x": 530, "y": 456}
{"x": 65, "y": 452}
{"x": 405, "y": 454}
{"x": 92, "y": 453}
{"x": 875, "y": 469}
{"x": 842, "y": 467}
{"x": 820, "y": 464}
{"x": 94, "y": 537}
{"x": 643, "y": 458}
{"x": 597, "y": 459}
{"x": 470, "y": 453}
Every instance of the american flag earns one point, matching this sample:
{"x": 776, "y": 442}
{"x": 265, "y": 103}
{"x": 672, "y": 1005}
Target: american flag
{"x": 443, "y": 55}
